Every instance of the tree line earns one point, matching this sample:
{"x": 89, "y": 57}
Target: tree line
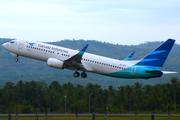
{"x": 35, "y": 96}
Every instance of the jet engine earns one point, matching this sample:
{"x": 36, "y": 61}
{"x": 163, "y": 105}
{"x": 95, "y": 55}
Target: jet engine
{"x": 55, "y": 63}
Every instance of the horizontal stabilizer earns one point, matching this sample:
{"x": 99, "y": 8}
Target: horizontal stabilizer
{"x": 159, "y": 72}
{"x": 169, "y": 72}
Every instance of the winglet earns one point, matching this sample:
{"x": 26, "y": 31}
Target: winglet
{"x": 83, "y": 50}
{"x": 130, "y": 56}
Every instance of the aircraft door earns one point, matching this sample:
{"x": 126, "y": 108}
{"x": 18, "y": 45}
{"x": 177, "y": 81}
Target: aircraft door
{"x": 133, "y": 70}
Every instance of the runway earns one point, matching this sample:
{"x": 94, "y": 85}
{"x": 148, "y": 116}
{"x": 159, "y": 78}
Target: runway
{"x": 90, "y": 115}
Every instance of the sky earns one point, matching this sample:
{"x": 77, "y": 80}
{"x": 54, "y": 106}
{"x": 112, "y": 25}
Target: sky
{"x": 126, "y": 22}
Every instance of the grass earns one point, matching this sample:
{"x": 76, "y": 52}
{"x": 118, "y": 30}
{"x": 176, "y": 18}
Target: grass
{"x": 97, "y": 118}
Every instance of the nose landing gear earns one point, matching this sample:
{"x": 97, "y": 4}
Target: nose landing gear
{"x": 16, "y": 59}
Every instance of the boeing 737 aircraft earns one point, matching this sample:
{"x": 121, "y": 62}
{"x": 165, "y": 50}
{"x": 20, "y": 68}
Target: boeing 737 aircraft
{"x": 60, "y": 57}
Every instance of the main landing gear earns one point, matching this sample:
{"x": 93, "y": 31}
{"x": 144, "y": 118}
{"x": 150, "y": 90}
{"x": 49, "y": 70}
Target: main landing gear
{"x": 83, "y": 74}
{"x": 76, "y": 74}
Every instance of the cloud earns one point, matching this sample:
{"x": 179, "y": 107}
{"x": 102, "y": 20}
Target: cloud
{"x": 90, "y": 19}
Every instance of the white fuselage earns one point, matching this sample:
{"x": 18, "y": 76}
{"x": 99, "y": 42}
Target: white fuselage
{"x": 41, "y": 51}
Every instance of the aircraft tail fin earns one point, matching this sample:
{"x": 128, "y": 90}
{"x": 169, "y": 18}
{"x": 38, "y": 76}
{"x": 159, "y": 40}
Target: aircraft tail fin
{"x": 157, "y": 57}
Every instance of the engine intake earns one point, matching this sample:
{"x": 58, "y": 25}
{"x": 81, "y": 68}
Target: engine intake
{"x": 55, "y": 63}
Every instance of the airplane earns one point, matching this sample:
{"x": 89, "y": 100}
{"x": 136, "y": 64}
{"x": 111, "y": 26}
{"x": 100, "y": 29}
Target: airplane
{"x": 64, "y": 58}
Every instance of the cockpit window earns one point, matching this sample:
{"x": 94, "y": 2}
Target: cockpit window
{"x": 12, "y": 42}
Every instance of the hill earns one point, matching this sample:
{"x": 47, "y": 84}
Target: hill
{"x": 28, "y": 69}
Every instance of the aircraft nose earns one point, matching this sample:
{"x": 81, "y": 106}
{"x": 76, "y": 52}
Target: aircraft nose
{"x": 4, "y": 45}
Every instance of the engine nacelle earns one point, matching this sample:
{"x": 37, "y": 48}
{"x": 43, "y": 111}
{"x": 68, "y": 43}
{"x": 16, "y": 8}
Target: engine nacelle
{"x": 53, "y": 62}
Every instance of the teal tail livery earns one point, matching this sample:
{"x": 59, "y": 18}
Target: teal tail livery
{"x": 64, "y": 58}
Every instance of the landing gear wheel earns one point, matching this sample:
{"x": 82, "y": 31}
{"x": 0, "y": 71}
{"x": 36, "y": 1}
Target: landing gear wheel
{"x": 76, "y": 74}
{"x": 16, "y": 59}
{"x": 83, "y": 74}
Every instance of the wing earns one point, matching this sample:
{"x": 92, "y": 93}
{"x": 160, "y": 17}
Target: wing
{"x": 75, "y": 61}
{"x": 77, "y": 58}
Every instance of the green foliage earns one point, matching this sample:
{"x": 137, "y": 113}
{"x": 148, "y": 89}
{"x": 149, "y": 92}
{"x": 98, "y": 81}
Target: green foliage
{"x": 12, "y": 107}
{"x": 82, "y": 106}
{"x": 34, "y": 96}
{"x": 20, "y": 107}
{"x": 3, "y": 109}
{"x": 27, "y": 109}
